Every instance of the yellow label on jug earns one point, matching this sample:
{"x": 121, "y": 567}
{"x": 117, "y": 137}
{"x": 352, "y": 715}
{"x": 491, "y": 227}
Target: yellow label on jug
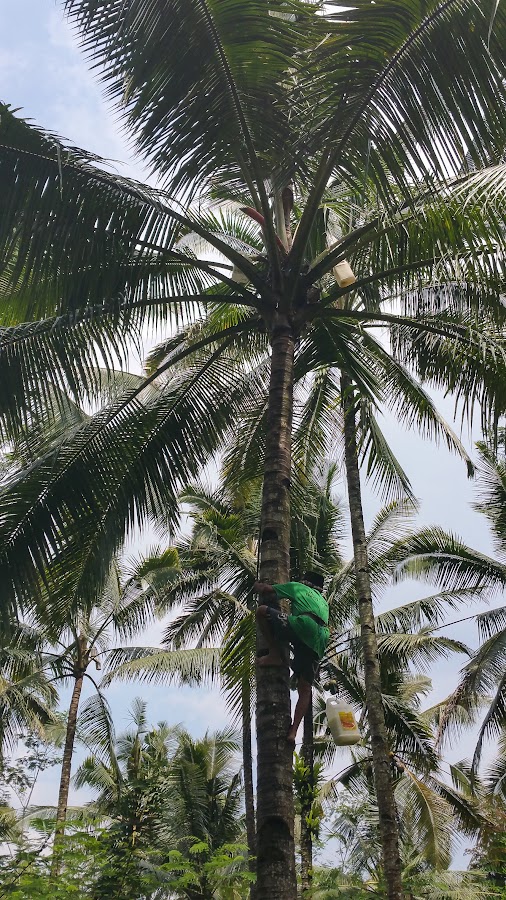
{"x": 347, "y": 720}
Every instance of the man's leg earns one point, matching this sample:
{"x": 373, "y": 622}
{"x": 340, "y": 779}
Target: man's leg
{"x": 304, "y": 690}
{"x": 273, "y": 657}
{"x": 305, "y": 667}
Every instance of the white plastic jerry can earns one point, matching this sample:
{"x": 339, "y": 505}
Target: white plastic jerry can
{"x": 344, "y": 274}
{"x": 342, "y": 723}
{"x": 238, "y": 275}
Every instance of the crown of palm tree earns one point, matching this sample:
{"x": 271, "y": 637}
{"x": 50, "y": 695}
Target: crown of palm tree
{"x": 302, "y": 94}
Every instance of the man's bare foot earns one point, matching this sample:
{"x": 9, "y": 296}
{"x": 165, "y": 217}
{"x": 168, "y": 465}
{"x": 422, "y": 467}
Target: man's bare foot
{"x": 269, "y": 660}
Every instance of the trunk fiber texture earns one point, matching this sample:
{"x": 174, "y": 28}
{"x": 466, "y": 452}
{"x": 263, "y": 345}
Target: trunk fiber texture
{"x": 63, "y": 794}
{"x": 249, "y": 797}
{"x": 389, "y": 831}
{"x": 306, "y": 840}
{"x": 276, "y": 878}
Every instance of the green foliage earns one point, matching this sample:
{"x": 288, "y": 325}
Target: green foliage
{"x": 27, "y": 695}
{"x": 359, "y": 872}
{"x": 334, "y": 884}
{"x": 489, "y": 855}
{"x": 412, "y": 194}
{"x": 89, "y": 258}
{"x": 166, "y": 823}
{"x": 88, "y": 869}
{"x": 221, "y": 873}
{"x": 27, "y": 875}
{"x": 173, "y": 805}
{"x": 20, "y": 775}
{"x": 306, "y": 786}
{"x": 458, "y": 567}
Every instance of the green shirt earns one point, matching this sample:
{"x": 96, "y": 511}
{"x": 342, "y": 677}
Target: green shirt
{"x": 305, "y": 599}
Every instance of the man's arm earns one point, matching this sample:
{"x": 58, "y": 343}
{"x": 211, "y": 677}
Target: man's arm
{"x": 263, "y": 589}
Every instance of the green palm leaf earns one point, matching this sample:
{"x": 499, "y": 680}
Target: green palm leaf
{"x": 432, "y": 817}
{"x": 152, "y": 664}
{"x": 130, "y": 234}
{"x": 213, "y": 80}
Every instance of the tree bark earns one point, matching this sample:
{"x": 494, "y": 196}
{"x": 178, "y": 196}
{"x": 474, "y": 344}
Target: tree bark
{"x": 389, "y": 832}
{"x": 276, "y": 878}
{"x": 249, "y": 798}
{"x": 63, "y": 795}
{"x": 306, "y": 840}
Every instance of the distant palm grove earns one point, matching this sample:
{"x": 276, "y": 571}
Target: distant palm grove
{"x": 324, "y": 248}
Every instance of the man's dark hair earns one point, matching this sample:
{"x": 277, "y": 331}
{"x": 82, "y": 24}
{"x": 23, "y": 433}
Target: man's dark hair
{"x": 315, "y": 579}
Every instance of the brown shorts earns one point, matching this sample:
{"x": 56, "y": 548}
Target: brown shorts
{"x": 305, "y": 663}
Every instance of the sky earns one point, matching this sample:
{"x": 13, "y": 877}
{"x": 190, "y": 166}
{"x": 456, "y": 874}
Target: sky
{"x": 43, "y": 73}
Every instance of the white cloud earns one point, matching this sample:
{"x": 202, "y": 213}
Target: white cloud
{"x": 12, "y": 62}
{"x": 59, "y": 31}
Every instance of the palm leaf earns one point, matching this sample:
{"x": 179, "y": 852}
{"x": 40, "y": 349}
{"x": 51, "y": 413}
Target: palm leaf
{"x": 438, "y": 555}
{"x": 494, "y": 721}
{"x": 95, "y": 725}
{"x": 200, "y": 104}
{"x": 130, "y": 233}
{"x": 152, "y": 664}
{"x": 84, "y": 469}
{"x": 433, "y": 820}
{"x": 373, "y": 68}
{"x": 422, "y": 649}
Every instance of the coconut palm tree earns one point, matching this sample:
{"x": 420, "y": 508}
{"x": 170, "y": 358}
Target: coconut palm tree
{"x": 79, "y": 645}
{"x": 359, "y": 874}
{"x": 488, "y": 854}
{"x": 27, "y": 696}
{"x": 455, "y": 565}
{"x": 171, "y": 802}
{"x": 287, "y": 105}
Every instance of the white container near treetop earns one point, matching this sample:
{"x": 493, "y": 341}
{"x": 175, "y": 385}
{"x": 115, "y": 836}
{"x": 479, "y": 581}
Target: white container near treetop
{"x": 344, "y": 274}
{"x": 342, "y": 723}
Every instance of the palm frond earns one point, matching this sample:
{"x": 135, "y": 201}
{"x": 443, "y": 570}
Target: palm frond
{"x": 381, "y": 465}
{"x": 130, "y": 230}
{"x": 441, "y": 556}
{"x": 494, "y": 721}
{"x": 155, "y": 665}
{"x": 429, "y": 611}
{"x": 422, "y": 649}
{"x": 496, "y": 772}
{"x": 95, "y": 725}
{"x": 197, "y": 113}
{"x": 410, "y": 736}
{"x": 492, "y": 493}
{"x": 127, "y": 463}
{"x": 432, "y": 818}
{"x": 386, "y": 57}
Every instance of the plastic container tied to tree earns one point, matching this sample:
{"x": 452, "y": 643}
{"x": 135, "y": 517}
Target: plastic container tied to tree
{"x": 342, "y": 723}
{"x": 344, "y": 274}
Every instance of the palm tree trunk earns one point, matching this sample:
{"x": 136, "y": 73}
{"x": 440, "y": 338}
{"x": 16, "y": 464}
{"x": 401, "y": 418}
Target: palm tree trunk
{"x": 249, "y": 798}
{"x": 380, "y": 753}
{"x": 276, "y": 878}
{"x": 63, "y": 795}
{"x": 306, "y": 840}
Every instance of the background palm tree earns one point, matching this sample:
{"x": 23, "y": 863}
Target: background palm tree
{"x": 359, "y": 874}
{"x": 340, "y": 105}
{"x": 82, "y": 639}
{"x": 27, "y": 695}
{"x": 488, "y": 854}
{"x": 172, "y": 804}
{"x": 456, "y": 566}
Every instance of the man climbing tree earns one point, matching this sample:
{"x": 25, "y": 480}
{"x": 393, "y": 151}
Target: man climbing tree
{"x": 305, "y": 630}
